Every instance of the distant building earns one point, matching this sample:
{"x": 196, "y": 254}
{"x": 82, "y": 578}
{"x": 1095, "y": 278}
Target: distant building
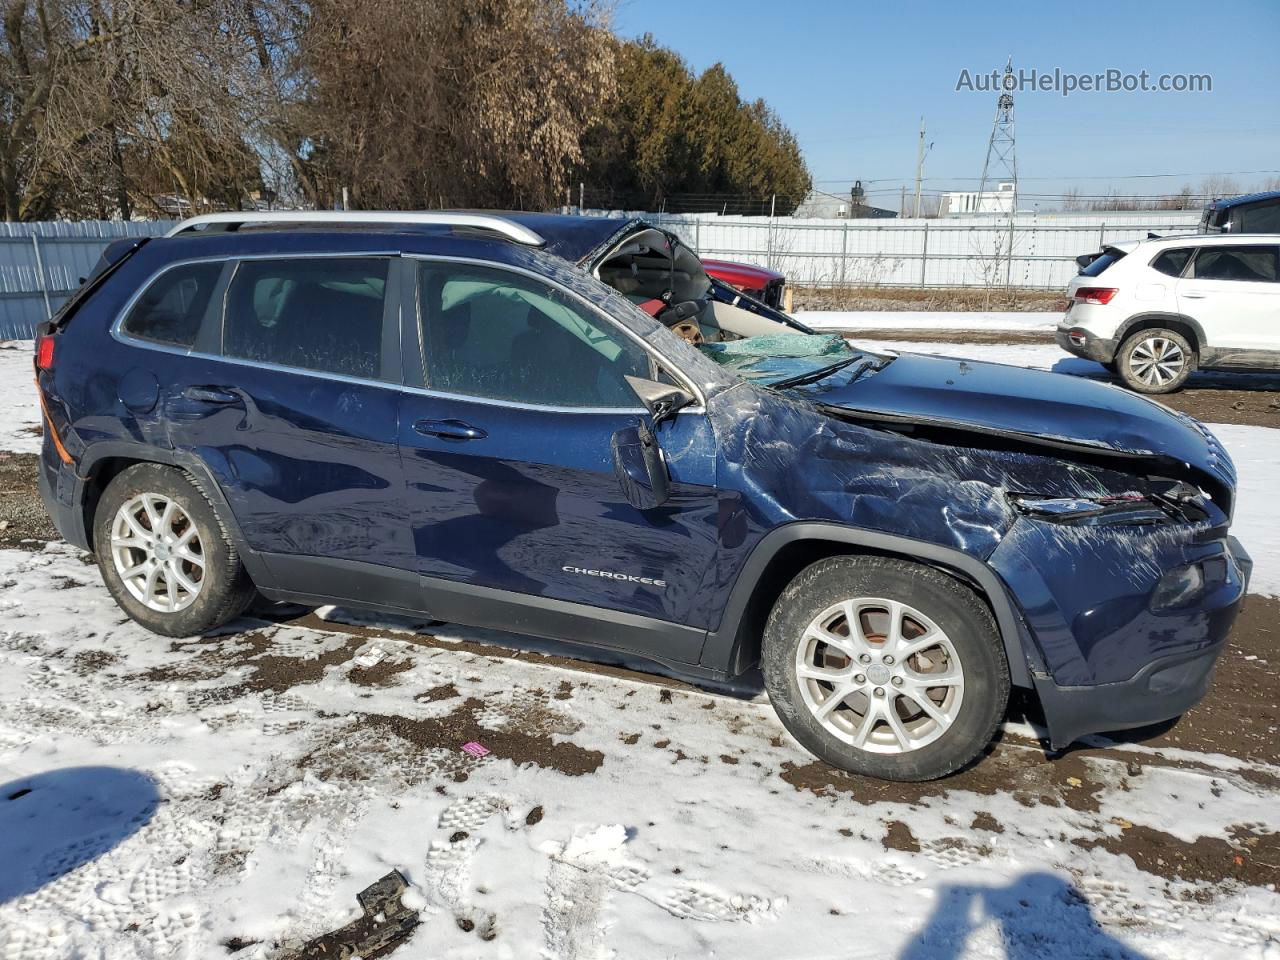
{"x": 969, "y": 202}
{"x": 830, "y": 206}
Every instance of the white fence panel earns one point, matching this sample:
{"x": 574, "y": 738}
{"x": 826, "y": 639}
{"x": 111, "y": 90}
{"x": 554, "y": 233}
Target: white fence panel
{"x": 41, "y": 265}
{"x": 1039, "y": 253}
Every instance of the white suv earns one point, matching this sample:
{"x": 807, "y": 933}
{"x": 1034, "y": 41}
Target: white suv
{"x": 1152, "y": 311}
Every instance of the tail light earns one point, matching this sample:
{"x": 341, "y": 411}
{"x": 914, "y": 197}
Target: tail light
{"x": 44, "y": 353}
{"x": 1099, "y": 295}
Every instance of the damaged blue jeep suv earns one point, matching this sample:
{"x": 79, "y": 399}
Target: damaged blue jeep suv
{"x": 563, "y": 427}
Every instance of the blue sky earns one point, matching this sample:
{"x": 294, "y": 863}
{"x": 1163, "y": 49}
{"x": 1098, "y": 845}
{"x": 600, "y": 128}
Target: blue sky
{"x": 853, "y": 79}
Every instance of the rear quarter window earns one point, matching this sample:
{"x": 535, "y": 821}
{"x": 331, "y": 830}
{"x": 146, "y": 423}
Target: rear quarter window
{"x": 171, "y": 309}
{"x": 1171, "y": 262}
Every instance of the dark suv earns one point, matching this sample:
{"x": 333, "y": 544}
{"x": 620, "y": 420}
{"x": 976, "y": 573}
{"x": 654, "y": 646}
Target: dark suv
{"x": 1251, "y": 213}
{"x": 471, "y": 416}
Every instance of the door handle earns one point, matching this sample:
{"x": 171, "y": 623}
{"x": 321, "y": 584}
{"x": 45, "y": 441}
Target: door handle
{"x": 449, "y": 430}
{"x": 1194, "y": 296}
{"x": 214, "y": 395}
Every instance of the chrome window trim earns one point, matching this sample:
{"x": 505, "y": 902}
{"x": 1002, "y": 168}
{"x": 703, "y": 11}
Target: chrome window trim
{"x": 120, "y": 336}
{"x": 685, "y": 381}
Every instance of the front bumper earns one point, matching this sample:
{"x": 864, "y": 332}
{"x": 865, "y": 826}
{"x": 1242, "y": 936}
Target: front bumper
{"x": 1162, "y": 690}
{"x": 1084, "y": 344}
{"x": 1101, "y": 657}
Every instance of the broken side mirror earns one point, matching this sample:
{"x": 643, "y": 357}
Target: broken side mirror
{"x": 662, "y": 400}
{"x": 640, "y": 467}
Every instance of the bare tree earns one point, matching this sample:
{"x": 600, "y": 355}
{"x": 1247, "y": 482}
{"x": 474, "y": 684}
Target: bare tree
{"x": 481, "y": 102}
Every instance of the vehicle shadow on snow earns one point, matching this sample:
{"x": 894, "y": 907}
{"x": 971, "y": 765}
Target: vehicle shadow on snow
{"x": 1263, "y": 380}
{"x": 54, "y": 822}
{"x": 1039, "y": 916}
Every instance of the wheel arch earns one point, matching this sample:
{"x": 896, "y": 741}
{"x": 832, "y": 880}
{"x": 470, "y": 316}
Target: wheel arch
{"x": 1177, "y": 322}
{"x": 785, "y": 551}
{"x": 104, "y": 461}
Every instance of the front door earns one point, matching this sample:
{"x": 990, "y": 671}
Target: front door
{"x": 508, "y": 461}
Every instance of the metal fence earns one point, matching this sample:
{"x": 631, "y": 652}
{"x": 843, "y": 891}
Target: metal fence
{"x": 1037, "y": 253}
{"x": 41, "y": 264}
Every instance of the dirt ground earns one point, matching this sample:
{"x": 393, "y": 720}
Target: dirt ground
{"x": 924, "y": 298}
{"x": 22, "y": 514}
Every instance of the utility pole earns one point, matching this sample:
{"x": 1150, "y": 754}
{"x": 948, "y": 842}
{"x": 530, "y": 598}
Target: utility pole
{"x": 919, "y": 166}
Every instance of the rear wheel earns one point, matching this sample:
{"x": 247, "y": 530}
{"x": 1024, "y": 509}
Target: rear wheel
{"x": 1155, "y": 361}
{"x": 165, "y": 556}
{"x": 885, "y": 668}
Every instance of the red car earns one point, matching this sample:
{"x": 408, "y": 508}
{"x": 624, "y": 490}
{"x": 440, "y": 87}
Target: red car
{"x": 758, "y": 282}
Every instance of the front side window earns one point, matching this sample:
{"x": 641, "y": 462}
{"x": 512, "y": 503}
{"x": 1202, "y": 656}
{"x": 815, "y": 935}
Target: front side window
{"x": 497, "y": 335}
{"x": 1255, "y": 264}
{"x": 1171, "y": 262}
{"x": 171, "y": 309}
{"x": 322, "y": 314}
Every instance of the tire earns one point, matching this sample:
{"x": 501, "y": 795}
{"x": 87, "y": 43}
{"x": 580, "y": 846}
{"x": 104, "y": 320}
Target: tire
{"x": 964, "y": 636}
{"x": 1142, "y": 366}
{"x": 195, "y": 550}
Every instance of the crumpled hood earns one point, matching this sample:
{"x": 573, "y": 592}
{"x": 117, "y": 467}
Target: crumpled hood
{"x": 1048, "y": 409}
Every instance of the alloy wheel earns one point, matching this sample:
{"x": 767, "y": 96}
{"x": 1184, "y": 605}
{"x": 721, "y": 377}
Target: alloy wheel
{"x": 879, "y": 675}
{"x": 1156, "y": 361}
{"x": 157, "y": 552}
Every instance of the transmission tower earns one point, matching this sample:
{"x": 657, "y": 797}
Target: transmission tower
{"x": 1001, "y": 164}
{"x": 1002, "y": 160}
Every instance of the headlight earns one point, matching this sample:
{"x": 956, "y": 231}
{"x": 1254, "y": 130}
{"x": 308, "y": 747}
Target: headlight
{"x": 1179, "y": 587}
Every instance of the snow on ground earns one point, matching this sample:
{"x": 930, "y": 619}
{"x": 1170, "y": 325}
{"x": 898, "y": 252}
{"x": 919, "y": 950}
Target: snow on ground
{"x": 1026, "y": 322}
{"x": 160, "y": 798}
{"x": 19, "y": 408}
{"x": 220, "y": 796}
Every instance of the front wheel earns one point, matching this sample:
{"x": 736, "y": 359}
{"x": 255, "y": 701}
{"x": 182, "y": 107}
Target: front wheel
{"x": 164, "y": 555}
{"x": 885, "y": 668}
{"x": 1155, "y": 361}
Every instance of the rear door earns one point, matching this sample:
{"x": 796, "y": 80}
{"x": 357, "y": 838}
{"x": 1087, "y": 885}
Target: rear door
{"x": 1233, "y": 292}
{"x": 292, "y": 403}
{"x": 508, "y": 461}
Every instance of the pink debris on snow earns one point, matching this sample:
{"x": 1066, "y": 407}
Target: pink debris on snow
{"x": 475, "y": 749}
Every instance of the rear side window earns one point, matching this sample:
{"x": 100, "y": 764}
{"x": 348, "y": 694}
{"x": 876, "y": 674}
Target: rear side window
{"x": 1104, "y": 261}
{"x": 503, "y": 336}
{"x": 324, "y": 314}
{"x": 1171, "y": 262}
{"x": 1264, "y": 218}
{"x": 171, "y": 309}
{"x": 1247, "y": 264}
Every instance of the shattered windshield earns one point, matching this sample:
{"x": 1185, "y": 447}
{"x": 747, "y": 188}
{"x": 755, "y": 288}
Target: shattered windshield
{"x": 786, "y": 359}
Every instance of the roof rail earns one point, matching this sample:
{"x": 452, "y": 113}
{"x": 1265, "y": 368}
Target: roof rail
{"x": 479, "y": 221}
